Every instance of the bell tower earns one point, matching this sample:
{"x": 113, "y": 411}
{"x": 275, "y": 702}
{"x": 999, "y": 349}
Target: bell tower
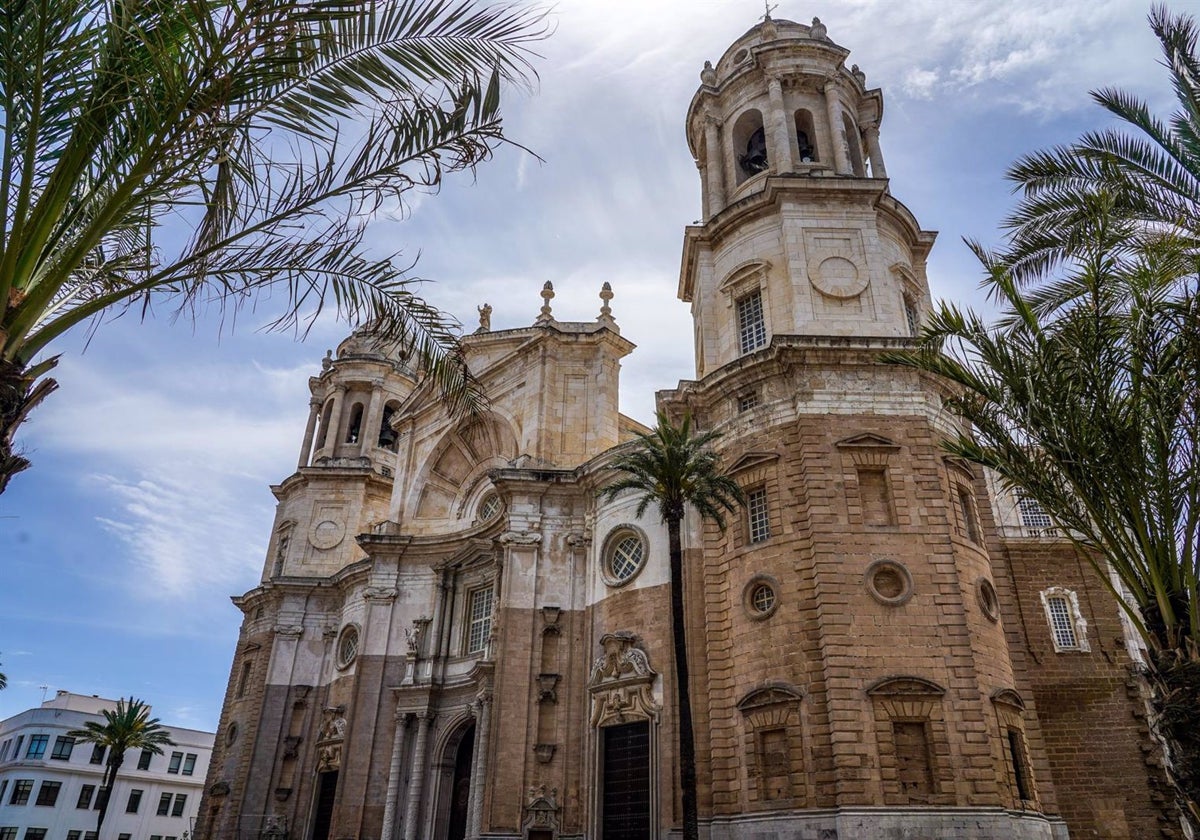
{"x": 801, "y": 235}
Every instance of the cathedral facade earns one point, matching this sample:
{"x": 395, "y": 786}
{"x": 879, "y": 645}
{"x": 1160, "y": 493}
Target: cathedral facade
{"x": 455, "y": 638}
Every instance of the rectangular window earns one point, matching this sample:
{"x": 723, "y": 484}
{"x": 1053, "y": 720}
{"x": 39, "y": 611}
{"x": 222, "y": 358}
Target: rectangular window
{"x": 35, "y": 834}
{"x": 37, "y": 746}
{"x": 101, "y": 798}
{"x": 4, "y": 749}
{"x": 97, "y": 754}
{"x": 17, "y": 751}
{"x": 155, "y": 837}
{"x": 913, "y": 767}
{"x": 124, "y": 836}
{"x": 1033, "y": 515}
{"x": 164, "y": 805}
{"x": 244, "y": 679}
{"x": 135, "y": 801}
{"x": 747, "y": 401}
{"x": 89, "y": 835}
{"x": 189, "y": 764}
{"x": 180, "y": 802}
{"x": 1060, "y": 622}
{"x": 21, "y": 790}
{"x": 1020, "y": 772}
{"x": 912, "y": 316}
{"x": 758, "y": 515}
{"x": 85, "y": 796}
{"x": 144, "y": 760}
{"x": 48, "y": 794}
{"x": 479, "y": 619}
{"x": 63, "y": 745}
{"x": 966, "y": 511}
{"x": 74, "y": 835}
{"x": 752, "y": 330}
{"x": 8, "y": 832}
{"x": 776, "y": 763}
{"x": 176, "y": 760}
{"x": 875, "y": 496}
{"x": 3, "y": 788}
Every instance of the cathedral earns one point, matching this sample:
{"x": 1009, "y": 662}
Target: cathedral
{"x": 455, "y": 638}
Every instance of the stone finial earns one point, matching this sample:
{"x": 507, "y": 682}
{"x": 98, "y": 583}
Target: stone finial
{"x": 818, "y": 30}
{"x": 606, "y": 294}
{"x": 485, "y": 318}
{"x": 327, "y": 362}
{"x": 547, "y": 296}
{"x": 708, "y": 75}
{"x": 858, "y": 74}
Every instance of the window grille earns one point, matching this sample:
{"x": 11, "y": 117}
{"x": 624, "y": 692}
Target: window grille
{"x": 752, "y": 330}
{"x": 747, "y": 401}
{"x": 1033, "y": 515}
{"x": 1061, "y": 623}
{"x": 758, "y": 515}
{"x": 912, "y": 316}
{"x": 480, "y": 620}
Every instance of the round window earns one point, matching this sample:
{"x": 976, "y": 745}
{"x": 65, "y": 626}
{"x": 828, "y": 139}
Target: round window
{"x": 489, "y": 507}
{"x": 889, "y": 582}
{"x": 624, "y": 556}
{"x": 760, "y": 597}
{"x": 231, "y": 733}
{"x": 347, "y": 649}
{"x": 985, "y": 592}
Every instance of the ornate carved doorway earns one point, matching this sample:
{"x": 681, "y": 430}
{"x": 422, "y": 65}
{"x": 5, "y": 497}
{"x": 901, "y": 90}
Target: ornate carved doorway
{"x": 625, "y": 801}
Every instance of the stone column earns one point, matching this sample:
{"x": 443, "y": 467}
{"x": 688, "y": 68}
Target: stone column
{"x": 782, "y": 151}
{"x": 416, "y": 782}
{"x": 392, "y": 798}
{"x": 369, "y": 433}
{"x": 871, "y": 134}
{"x": 833, "y": 111}
{"x": 714, "y": 169}
{"x": 334, "y": 432}
{"x": 314, "y": 411}
{"x": 479, "y": 766}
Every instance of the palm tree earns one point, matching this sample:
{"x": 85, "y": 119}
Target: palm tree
{"x": 1084, "y": 397}
{"x": 196, "y": 153}
{"x": 671, "y": 468}
{"x": 127, "y": 727}
{"x": 1150, "y": 177}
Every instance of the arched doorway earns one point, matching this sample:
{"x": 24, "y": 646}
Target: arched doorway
{"x": 453, "y": 819}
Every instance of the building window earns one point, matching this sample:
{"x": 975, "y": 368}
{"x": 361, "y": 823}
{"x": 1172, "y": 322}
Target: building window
{"x": 155, "y": 837}
{"x": 189, "y": 764}
{"x": 63, "y": 745}
{"x": 8, "y": 832}
{"x": 624, "y": 556}
{"x": 760, "y": 597}
{"x": 1033, "y": 515}
{"x": 164, "y": 805}
{"x": 773, "y": 746}
{"x": 3, "y": 788}
{"x": 85, "y": 796}
{"x": 912, "y": 317}
{"x": 1068, "y": 628}
{"x": 4, "y": 749}
{"x": 244, "y": 679}
{"x": 144, "y": 760}
{"x": 176, "y": 760}
{"x": 97, "y": 754}
{"x": 48, "y": 794}
{"x": 967, "y": 525}
{"x": 479, "y": 616}
{"x": 347, "y": 651}
{"x": 89, "y": 835}
{"x": 758, "y": 515}
{"x": 101, "y": 798}
{"x": 180, "y": 802}
{"x": 489, "y": 507}
{"x": 135, "y": 801}
{"x": 35, "y": 834}
{"x": 21, "y": 790}
{"x": 37, "y": 746}
{"x": 890, "y": 583}
{"x": 74, "y": 835}
{"x": 124, "y": 836}
{"x": 747, "y": 401}
{"x": 914, "y": 765}
{"x": 752, "y": 329}
{"x": 1016, "y": 754}
{"x": 875, "y": 496}
{"x": 17, "y": 749}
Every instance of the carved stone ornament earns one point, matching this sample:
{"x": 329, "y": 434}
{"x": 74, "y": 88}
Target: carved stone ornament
{"x": 329, "y": 739}
{"x": 541, "y": 810}
{"x": 521, "y": 538}
{"x": 622, "y": 682}
{"x": 218, "y": 789}
{"x": 289, "y": 630}
{"x": 379, "y": 593}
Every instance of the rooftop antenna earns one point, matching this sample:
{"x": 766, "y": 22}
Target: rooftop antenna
{"x": 44, "y": 689}
{"x": 768, "y": 9}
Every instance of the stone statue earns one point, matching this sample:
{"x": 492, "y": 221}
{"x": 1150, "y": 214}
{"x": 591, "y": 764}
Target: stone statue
{"x": 485, "y": 318}
{"x": 818, "y": 30}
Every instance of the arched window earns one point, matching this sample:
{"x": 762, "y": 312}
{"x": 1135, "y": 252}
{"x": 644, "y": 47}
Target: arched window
{"x": 853, "y": 147}
{"x": 355, "y": 427}
{"x": 387, "y": 435}
{"x": 326, "y": 416}
{"x": 749, "y": 145}
{"x": 806, "y": 137}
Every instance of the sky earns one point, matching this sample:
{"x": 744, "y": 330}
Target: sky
{"x": 149, "y": 500}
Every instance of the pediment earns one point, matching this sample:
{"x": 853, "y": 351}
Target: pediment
{"x": 892, "y": 686}
{"x": 750, "y": 460}
{"x": 773, "y": 694}
{"x": 744, "y": 271}
{"x": 867, "y": 441}
{"x": 1009, "y": 697}
{"x": 473, "y": 554}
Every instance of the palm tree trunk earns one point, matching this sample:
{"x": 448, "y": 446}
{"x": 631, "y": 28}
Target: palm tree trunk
{"x": 1176, "y": 701}
{"x": 19, "y": 394}
{"x": 687, "y": 737}
{"x": 116, "y": 758}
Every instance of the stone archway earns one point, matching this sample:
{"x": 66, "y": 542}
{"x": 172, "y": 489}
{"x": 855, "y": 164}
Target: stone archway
{"x": 453, "y": 816}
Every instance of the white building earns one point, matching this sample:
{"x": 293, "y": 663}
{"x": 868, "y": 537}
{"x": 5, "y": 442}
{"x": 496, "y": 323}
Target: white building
{"x": 49, "y": 783}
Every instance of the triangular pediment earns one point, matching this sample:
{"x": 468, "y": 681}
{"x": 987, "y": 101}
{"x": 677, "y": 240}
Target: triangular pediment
{"x": 867, "y": 441}
{"x": 751, "y": 460}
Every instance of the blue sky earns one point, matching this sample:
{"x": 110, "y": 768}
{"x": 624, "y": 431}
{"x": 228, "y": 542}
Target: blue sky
{"x": 149, "y": 504}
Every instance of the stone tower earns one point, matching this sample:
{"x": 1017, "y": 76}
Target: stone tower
{"x": 454, "y": 638}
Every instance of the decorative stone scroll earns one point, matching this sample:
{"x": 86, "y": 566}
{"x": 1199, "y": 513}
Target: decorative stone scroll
{"x": 622, "y": 682}
{"x": 541, "y": 810}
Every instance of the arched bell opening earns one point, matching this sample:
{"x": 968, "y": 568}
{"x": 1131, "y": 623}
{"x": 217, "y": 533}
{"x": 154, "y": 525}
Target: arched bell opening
{"x": 853, "y": 147}
{"x": 387, "y": 437}
{"x": 354, "y": 427}
{"x": 806, "y": 137}
{"x": 749, "y": 145}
